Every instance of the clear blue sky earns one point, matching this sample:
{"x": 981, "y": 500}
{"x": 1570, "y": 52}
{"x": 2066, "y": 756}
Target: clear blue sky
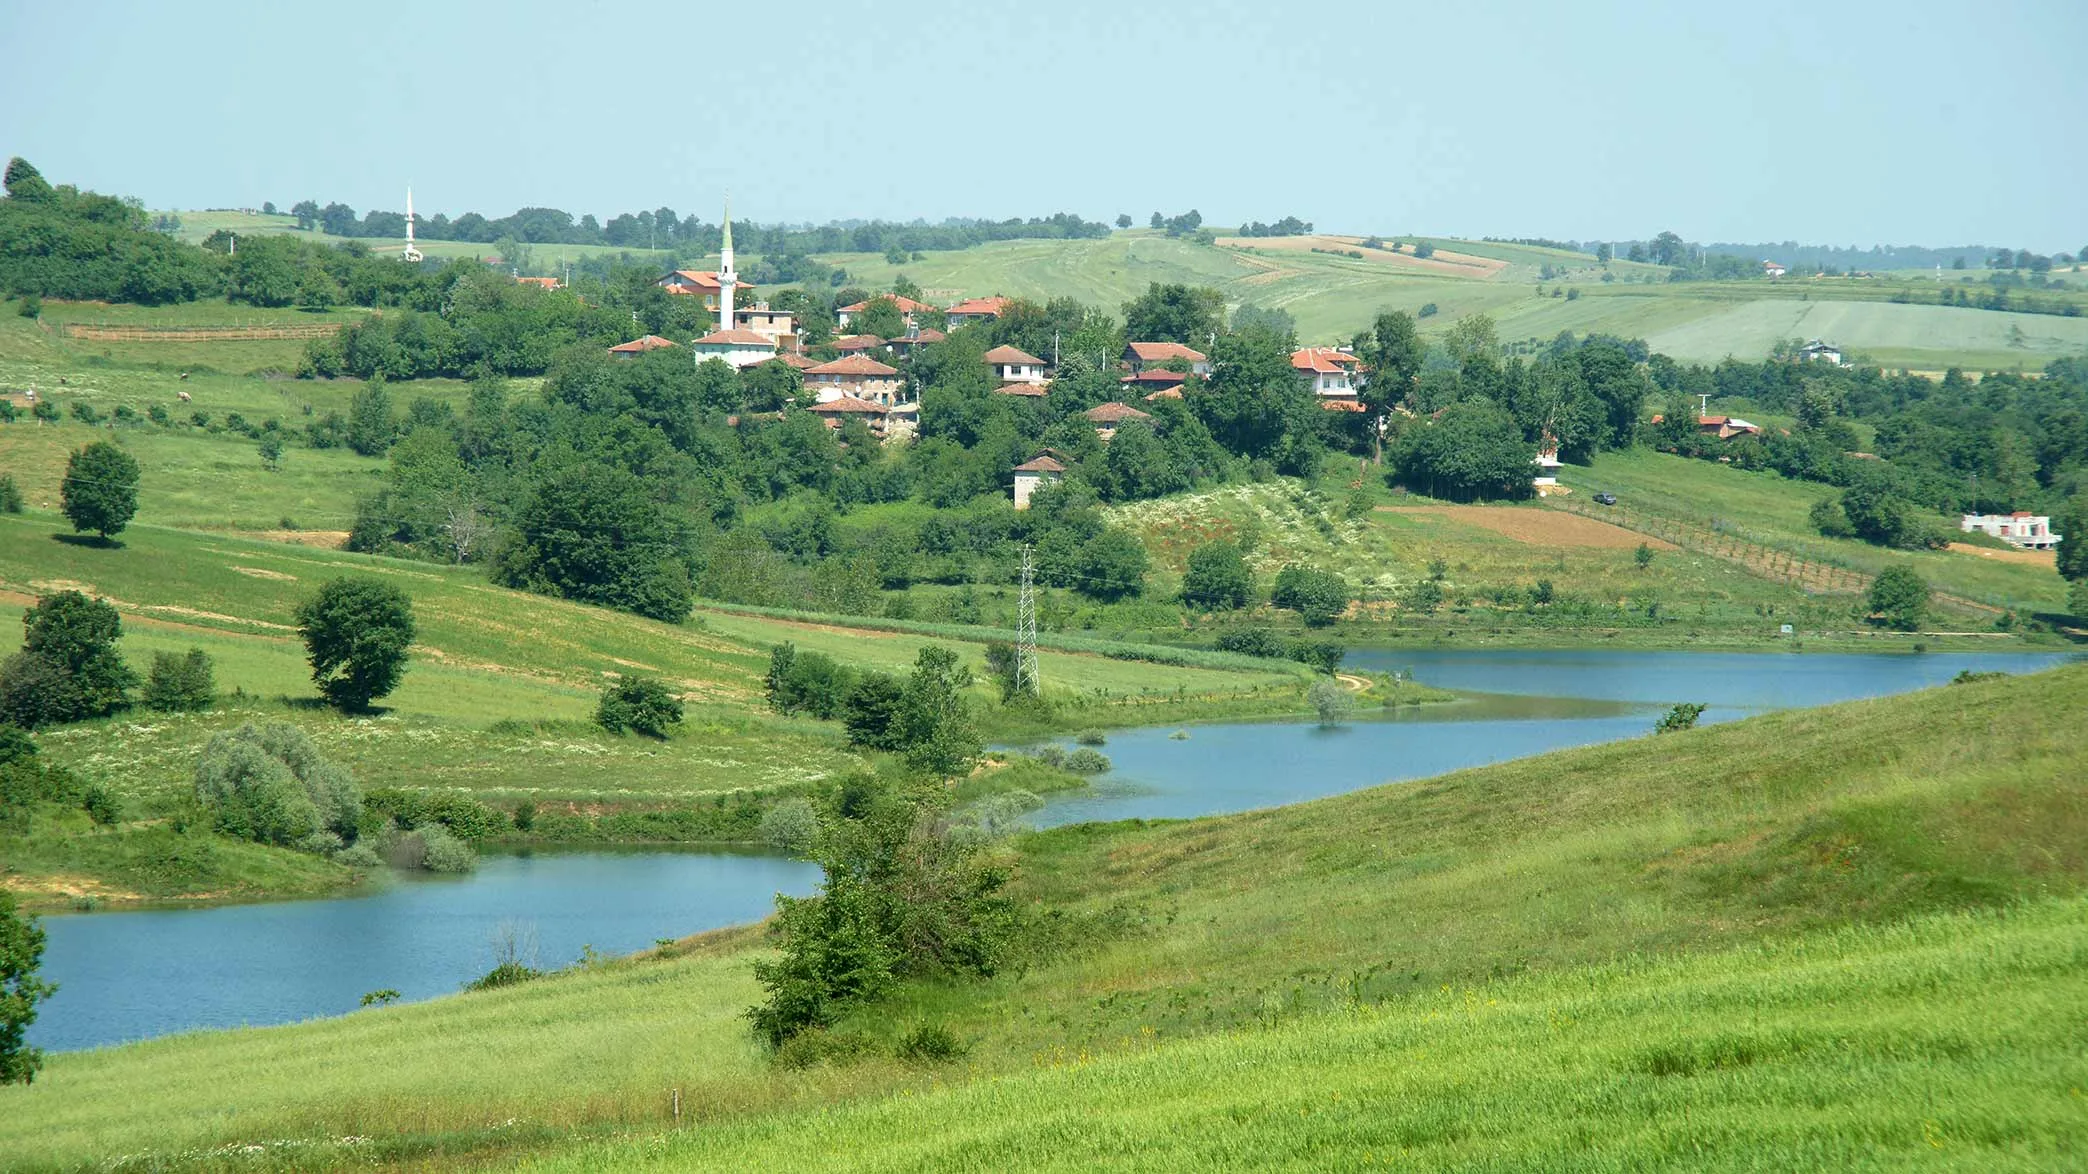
{"x": 1914, "y": 121}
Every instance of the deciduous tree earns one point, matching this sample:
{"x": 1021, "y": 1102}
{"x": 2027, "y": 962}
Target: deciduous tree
{"x": 100, "y": 490}
{"x": 356, "y": 632}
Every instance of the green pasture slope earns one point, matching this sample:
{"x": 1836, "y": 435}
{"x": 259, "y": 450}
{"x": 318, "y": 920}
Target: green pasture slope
{"x": 195, "y": 226}
{"x": 502, "y": 683}
{"x": 1848, "y": 937}
{"x": 1771, "y": 509}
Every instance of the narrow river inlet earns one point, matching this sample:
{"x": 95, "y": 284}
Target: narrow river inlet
{"x": 136, "y": 975}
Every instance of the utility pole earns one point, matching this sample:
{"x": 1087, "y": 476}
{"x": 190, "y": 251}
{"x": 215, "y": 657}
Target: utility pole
{"x": 1026, "y": 631}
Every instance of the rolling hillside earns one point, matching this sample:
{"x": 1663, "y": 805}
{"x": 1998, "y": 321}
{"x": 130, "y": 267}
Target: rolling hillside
{"x": 1849, "y": 935}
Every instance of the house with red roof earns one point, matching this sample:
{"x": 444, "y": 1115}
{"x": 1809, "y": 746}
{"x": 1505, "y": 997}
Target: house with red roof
{"x": 1040, "y": 470}
{"x": 856, "y": 377}
{"x": 972, "y": 310}
{"x": 1727, "y": 427}
{"x": 638, "y": 346}
{"x": 1015, "y": 365}
{"x": 794, "y": 359}
{"x": 857, "y": 344}
{"x": 1109, "y": 417}
{"x": 1144, "y": 356}
{"x": 691, "y": 283}
{"x": 840, "y": 408}
{"x": 2021, "y": 528}
{"x": 913, "y": 339}
{"x": 906, "y": 306}
{"x": 1329, "y": 371}
{"x": 1154, "y": 380}
{"x": 738, "y": 348}
{"x": 541, "y": 282}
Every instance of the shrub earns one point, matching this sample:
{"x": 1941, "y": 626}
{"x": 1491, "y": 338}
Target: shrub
{"x": 179, "y": 684}
{"x": 1422, "y": 596}
{"x": 45, "y": 411}
{"x": 1085, "y": 761}
{"x": 809, "y": 1049}
{"x": 638, "y": 703}
{"x": 791, "y": 825}
{"x": 807, "y": 682}
{"x": 505, "y": 974}
{"x": 84, "y": 412}
{"x": 1253, "y": 642}
{"x": 21, "y": 952}
{"x": 101, "y": 807}
{"x": 1091, "y": 738}
{"x": 443, "y": 852}
{"x": 1317, "y": 596}
{"x": 1828, "y": 517}
{"x": 932, "y": 1043}
{"x": 1682, "y": 717}
{"x": 1899, "y": 597}
{"x": 268, "y": 783}
{"x": 10, "y": 495}
{"x": 525, "y": 816}
{"x": 1330, "y": 701}
{"x": 1217, "y": 577}
{"x": 871, "y": 711}
{"x": 31, "y": 307}
{"x": 158, "y": 414}
{"x": 69, "y": 668}
{"x": 1324, "y": 655}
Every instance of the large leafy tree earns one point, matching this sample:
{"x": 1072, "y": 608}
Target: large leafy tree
{"x": 594, "y": 533}
{"x": 935, "y": 726}
{"x": 1254, "y": 404}
{"x": 100, "y": 490}
{"x": 69, "y": 668}
{"x": 1473, "y": 449}
{"x": 1217, "y": 576}
{"x": 21, "y": 952}
{"x": 356, "y": 631}
{"x": 1899, "y": 597}
{"x": 1175, "y": 313}
{"x": 2073, "y": 541}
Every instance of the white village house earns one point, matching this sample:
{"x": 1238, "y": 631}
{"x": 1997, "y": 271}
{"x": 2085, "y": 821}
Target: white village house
{"x": 1042, "y": 469}
{"x": 2027, "y": 530}
{"x": 1015, "y": 365}
{"x": 738, "y": 348}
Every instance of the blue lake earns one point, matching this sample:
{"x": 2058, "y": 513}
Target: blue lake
{"x": 127, "y": 976}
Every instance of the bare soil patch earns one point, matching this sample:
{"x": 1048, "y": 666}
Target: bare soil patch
{"x": 258, "y": 573}
{"x": 96, "y": 333}
{"x": 1539, "y": 527}
{"x": 2028, "y": 558}
{"x": 323, "y": 539}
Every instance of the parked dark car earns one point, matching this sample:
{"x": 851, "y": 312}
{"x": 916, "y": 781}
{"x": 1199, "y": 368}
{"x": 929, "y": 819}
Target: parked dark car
{"x": 1605, "y": 499}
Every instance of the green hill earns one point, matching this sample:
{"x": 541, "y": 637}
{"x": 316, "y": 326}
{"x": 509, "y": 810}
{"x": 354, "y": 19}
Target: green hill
{"x": 1848, "y": 936}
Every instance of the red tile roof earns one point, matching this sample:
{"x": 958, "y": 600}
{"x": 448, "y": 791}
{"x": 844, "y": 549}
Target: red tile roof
{"x": 852, "y": 365}
{"x": 736, "y": 338}
{"x": 1342, "y": 405}
{"x": 539, "y": 282}
{"x": 793, "y": 359}
{"x": 1160, "y": 352}
{"x": 849, "y": 404}
{"x": 857, "y": 342}
{"x": 1040, "y": 464}
{"x": 906, "y": 305}
{"x": 1158, "y": 376}
{"x": 1113, "y": 412}
{"x": 1323, "y": 359}
{"x": 1007, "y": 355}
{"x": 650, "y": 342}
{"x": 929, "y": 335}
{"x": 1029, "y": 389}
{"x": 986, "y": 307}
{"x": 1165, "y": 393}
{"x": 691, "y": 277}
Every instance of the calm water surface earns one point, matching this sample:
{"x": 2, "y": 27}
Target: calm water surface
{"x": 128, "y": 976}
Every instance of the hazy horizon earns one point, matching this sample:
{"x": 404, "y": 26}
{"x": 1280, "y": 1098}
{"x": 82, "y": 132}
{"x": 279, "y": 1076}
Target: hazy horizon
{"x": 1856, "y": 124}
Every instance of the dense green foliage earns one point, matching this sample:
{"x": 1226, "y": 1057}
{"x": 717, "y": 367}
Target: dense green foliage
{"x": 1319, "y": 597}
{"x": 1217, "y": 577}
{"x": 902, "y": 898}
{"x": 1899, "y": 597}
{"x": 60, "y": 242}
{"x": 69, "y": 668}
{"x": 270, "y": 784}
{"x": 179, "y": 683}
{"x": 643, "y": 704}
{"x": 21, "y": 953}
{"x": 356, "y": 632}
{"x": 100, "y": 490}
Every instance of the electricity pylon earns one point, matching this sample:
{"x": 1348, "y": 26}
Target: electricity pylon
{"x": 1026, "y": 677}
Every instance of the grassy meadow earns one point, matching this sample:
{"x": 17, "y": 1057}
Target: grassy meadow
{"x": 1771, "y": 509}
{"x": 1847, "y": 936}
{"x": 498, "y": 699}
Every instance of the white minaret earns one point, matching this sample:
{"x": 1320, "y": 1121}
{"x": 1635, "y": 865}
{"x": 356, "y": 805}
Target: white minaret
{"x": 726, "y": 277}
{"x": 411, "y": 255}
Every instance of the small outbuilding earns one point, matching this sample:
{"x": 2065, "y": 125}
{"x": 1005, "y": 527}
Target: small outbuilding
{"x": 1041, "y": 469}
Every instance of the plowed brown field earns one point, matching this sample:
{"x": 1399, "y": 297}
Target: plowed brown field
{"x": 1538, "y": 527}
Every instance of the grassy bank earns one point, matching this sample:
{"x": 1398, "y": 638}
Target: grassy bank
{"x": 1702, "y": 934}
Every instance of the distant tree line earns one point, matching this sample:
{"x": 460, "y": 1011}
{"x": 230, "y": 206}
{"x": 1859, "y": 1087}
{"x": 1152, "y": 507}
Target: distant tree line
{"x": 1288, "y": 226}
